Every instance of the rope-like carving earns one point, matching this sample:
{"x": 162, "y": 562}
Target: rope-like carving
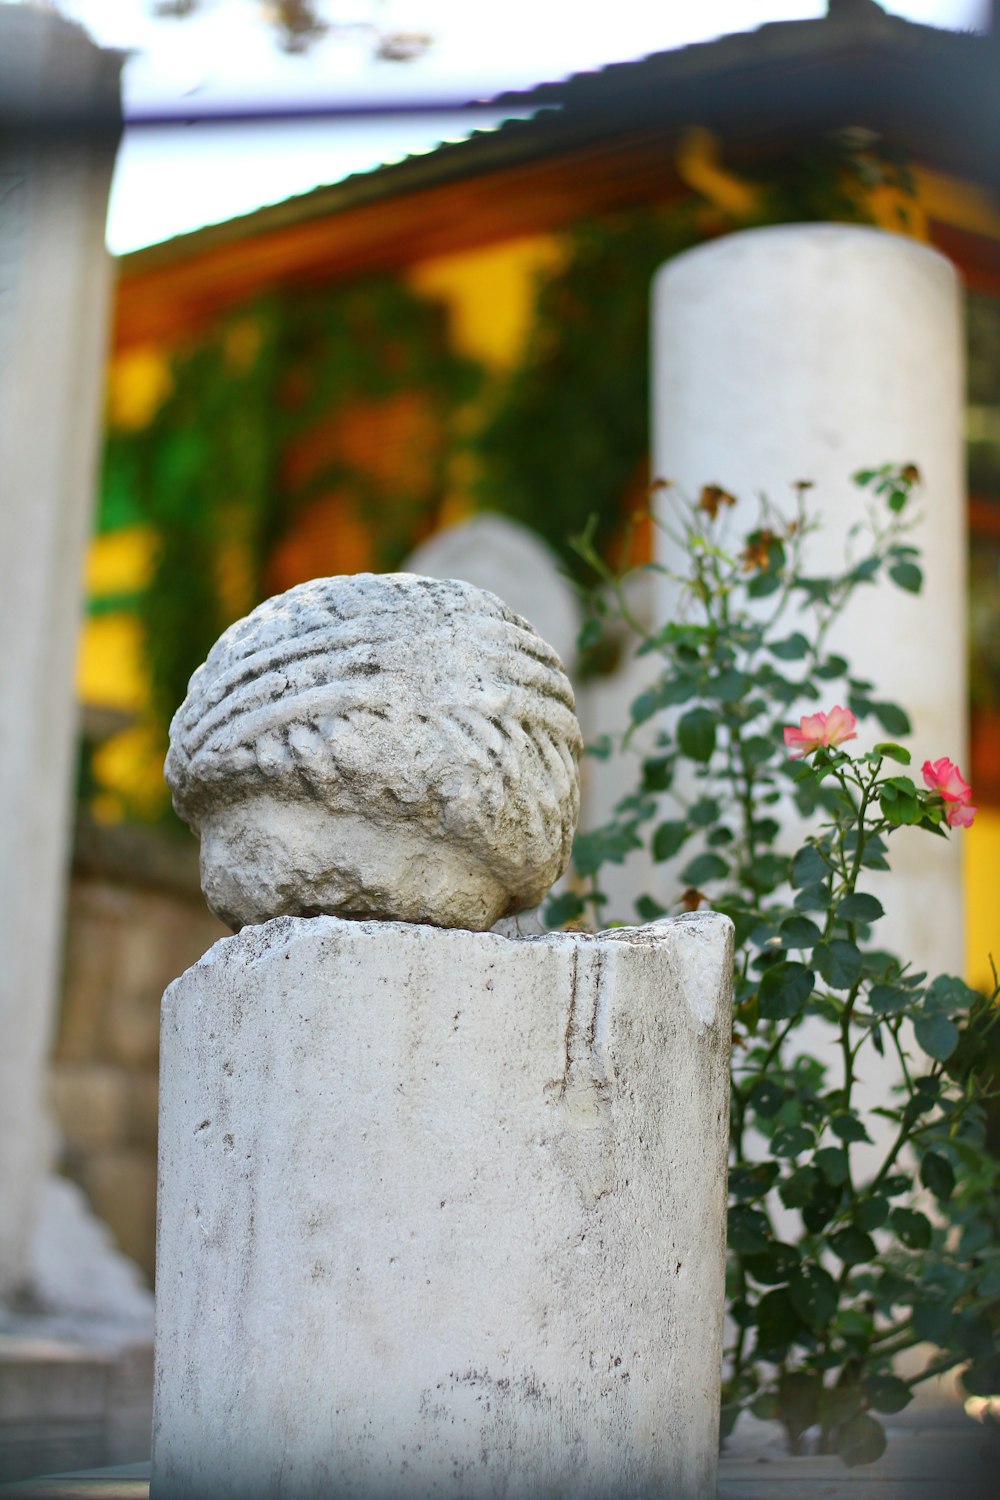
{"x": 413, "y": 702}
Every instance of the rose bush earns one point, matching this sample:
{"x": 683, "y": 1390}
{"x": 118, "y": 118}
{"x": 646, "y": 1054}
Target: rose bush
{"x": 843, "y": 1251}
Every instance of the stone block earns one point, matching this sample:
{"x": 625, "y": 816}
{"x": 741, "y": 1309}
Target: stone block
{"x": 91, "y": 1106}
{"x": 143, "y": 1107}
{"x": 443, "y": 1213}
{"x": 94, "y": 917}
{"x": 130, "y": 1405}
{"x": 121, "y": 1185}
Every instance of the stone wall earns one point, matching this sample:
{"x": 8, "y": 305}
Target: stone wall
{"x": 136, "y": 919}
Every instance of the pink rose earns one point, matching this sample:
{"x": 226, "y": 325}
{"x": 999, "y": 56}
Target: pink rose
{"x": 944, "y": 777}
{"x": 816, "y": 730}
{"x": 960, "y": 814}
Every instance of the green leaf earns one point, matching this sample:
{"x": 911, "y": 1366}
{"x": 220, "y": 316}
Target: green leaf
{"x": 800, "y": 932}
{"x": 773, "y": 1265}
{"x": 797, "y": 1190}
{"x": 669, "y": 838}
{"x": 567, "y": 907}
{"x": 849, "y": 1128}
{"x": 756, "y": 749}
{"x": 767, "y": 1097}
{"x": 763, "y": 584}
{"x": 791, "y": 1140}
{"x": 648, "y": 909}
{"x": 899, "y": 809}
{"x": 793, "y": 648}
{"x": 982, "y": 1377}
{"x": 832, "y": 1162}
{"x": 813, "y": 1293}
{"x": 937, "y": 1175}
{"x": 887, "y": 1393}
{"x": 948, "y": 994}
{"x": 892, "y": 751}
{"x": 860, "y": 907}
{"x": 838, "y": 962}
{"x": 853, "y": 1246}
{"x": 871, "y": 1213}
{"x": 719, "y": 837}
{"x": 778, "y": 1324}
{"x": 591, "y": 634}
{"x": 696, "y": 733}
{"x": 752, "y": 1181}
{"x": 933, "y": 1323}
{"x": 748, "y": 1231}
{"x": 727, "y": 687}
{"x": 907, "y": 576}
{"x": 891, "y": 717}
{"x": 812, "y": 898}
{"x": 657, "y": 773}
{"x": 832, "y": 667}
{"x": 913, "y": 1228}
{"x": 601, "y": 748}
{"x": 608, "y": 845}
{"x": 936, "y": 1035}
{"x": 888, "y": 999}
{"x": 647, "y": 704}
{"x": 768, "y": 871}
{"x": 784, "y": 989}
{"x": 861, "y": 1441}
{"x": 798, "y": 1400}
{"x": 703, "y": 868}
{"x": 808, "y": 867}
{"x": 704, "y": 811}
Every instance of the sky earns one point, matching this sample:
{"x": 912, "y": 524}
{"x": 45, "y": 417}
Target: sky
{"x": 169, "y": 180}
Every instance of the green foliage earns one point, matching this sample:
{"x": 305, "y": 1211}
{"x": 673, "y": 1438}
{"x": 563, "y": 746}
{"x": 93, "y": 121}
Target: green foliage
{"x": 870, "y": 1268}
{"x": 568, "y": 433}
{"x": 211, "y": 476}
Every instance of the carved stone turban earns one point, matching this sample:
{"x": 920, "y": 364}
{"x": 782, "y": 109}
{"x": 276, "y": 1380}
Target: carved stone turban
{"x": 378, "y": 746}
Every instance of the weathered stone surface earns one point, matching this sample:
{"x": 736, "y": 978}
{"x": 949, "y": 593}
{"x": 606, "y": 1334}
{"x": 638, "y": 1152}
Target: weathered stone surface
{"x": 493, "y": 552}
{"x": 382, "y": 746}
{"x": 442, "y": 1213}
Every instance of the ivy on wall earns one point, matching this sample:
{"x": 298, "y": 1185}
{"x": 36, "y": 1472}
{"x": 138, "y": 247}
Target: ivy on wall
{"x": 213, "y": 473}
{"x": 568, "y": 437}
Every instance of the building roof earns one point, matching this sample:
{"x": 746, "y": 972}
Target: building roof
{"x": 603, "y": 140}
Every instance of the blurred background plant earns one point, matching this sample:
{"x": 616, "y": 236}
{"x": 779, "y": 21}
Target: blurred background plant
{"x": 844, "y": 1251}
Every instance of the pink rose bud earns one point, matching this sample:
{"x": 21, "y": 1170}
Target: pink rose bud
{"x": 944, "y": 777}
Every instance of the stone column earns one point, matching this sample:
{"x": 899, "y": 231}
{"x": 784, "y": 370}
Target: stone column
{"x": 54, "y": 303}
{"x": 809, "y": 352}
{"x": 441, "y": 1211}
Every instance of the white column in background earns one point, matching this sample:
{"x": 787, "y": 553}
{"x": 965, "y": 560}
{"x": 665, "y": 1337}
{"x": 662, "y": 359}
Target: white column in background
{"x": 809, "y": 352}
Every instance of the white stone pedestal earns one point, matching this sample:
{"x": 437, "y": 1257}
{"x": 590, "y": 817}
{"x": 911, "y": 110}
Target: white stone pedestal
{"x": 443, "y": 1213}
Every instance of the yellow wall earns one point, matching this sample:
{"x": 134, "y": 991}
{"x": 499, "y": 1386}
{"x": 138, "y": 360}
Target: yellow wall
{"x": 981, "y": 863}
{"x": 490, "y": 294}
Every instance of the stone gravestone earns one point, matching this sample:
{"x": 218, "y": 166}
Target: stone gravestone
{"x": 59, "y": 122}
{"x": 442, "y": 1212}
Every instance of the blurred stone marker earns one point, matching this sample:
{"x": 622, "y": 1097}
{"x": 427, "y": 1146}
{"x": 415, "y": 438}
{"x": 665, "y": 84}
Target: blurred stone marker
{"x": 59, "y": 130}
{"x": 515, "y": 564}
{"x": 442, "y": 1212}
